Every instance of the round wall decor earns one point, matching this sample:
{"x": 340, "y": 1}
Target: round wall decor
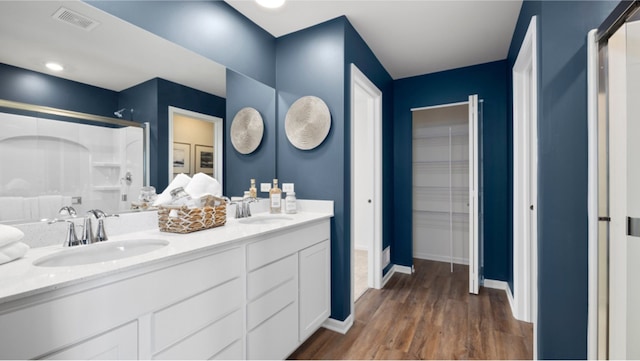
{"x": 247, "y": 129}
{"x": 307, "y": 122}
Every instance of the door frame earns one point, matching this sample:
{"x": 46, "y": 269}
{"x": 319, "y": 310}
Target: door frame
{"x": 525, "y": 180}
{"x": 359, "y": 80}
{"x": 474, "y": 191}
{"x": 218, "y": 133}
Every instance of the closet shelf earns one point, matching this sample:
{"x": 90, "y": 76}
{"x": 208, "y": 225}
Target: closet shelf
{"x": 106, "y": 164}
{"x": 106, "y": 188}
{"x": 437, "y": 213}
{"x": 446, "y": 136}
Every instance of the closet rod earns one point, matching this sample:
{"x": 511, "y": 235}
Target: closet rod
{"x": 443, "y": 105}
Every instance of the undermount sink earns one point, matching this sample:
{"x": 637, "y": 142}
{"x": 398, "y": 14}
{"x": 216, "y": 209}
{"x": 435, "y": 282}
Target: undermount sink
{"x": 100, "y": 252}
{"x": 265, "y": 219}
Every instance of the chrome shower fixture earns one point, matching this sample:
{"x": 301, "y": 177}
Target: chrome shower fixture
{"x": 119, "y": 112}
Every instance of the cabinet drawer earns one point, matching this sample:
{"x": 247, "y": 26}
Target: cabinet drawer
{"x": 270, "y": 249}
{"x": 232, "y": 352}
{"x": 276, "y": 338}
{"x": 26, "y": 332}
{"x": 270, "y": 303}
{"x": 178, "y": 320}
{"x": 207, "y": 342}
{"x": 266, "y": 278}
{"x": 118, "y": 344}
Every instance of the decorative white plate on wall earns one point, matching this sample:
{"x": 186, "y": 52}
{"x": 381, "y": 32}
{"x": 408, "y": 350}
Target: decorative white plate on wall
{"x": 247, "y": 129}
{"x": 307, "y": 122}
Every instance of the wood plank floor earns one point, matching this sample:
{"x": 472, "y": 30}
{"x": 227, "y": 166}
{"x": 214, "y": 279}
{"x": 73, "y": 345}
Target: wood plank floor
{"x": 427, "y": 315}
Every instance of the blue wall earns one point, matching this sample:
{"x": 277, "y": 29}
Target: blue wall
{"x": 358, "y": 52}
{"x": 244, "y": 92}
{"x": 562, "y": 192}
{"x": 210, "y": 28}
{"x": 150, "y": 101}
{"x": 311, "y": 62}
{"x": 489, "y": 81}
{"x": 26, "y": 86}
{"x": 316, "y": 61}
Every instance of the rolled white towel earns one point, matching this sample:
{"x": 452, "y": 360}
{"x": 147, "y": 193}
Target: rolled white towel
{"x": 181, "y": 180}
{"x": 12, "y": 251}
{"x": 202, "y": 184}
{"x": 9, "y": 234}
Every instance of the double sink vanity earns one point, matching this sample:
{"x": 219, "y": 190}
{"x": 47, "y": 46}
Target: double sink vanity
{"x": 255, "y": 288}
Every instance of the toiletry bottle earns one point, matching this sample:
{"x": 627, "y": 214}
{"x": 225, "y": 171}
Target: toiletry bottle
{"x": 275, "y": 198}
{"x": 253, "y": 193}
{"x": 290, "y": 203}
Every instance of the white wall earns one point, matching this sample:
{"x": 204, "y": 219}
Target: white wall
{"x": 431, "y": 183}
{"x": 44, "y": 163}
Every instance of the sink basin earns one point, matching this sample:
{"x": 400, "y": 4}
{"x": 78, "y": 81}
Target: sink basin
{"x": 266, "y": 219}
{"x": 100, "y": 252}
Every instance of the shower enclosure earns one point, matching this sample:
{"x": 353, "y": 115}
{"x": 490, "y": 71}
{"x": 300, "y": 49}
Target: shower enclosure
{"x": 86, "y": 163}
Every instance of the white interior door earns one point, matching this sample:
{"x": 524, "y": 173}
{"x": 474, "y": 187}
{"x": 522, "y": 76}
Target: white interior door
{"x": 366, "y": 175}
{"x": 624, "y": 245}
{"x": 525, "y": 179}
{"x": 474, "y": 246}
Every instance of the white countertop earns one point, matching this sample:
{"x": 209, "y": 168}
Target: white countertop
{"x": 21, "y": 278}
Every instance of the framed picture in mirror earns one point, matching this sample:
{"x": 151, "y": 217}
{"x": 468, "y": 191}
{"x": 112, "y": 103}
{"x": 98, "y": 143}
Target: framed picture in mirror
{"x": 181, "y": 157}
{"x": 204, "y": 159}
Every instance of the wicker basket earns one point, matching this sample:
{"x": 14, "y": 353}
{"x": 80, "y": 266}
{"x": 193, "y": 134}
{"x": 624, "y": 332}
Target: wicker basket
{"x": 187, "y": 220}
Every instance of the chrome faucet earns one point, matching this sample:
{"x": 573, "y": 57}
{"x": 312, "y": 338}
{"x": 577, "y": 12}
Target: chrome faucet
{"x": 71, "y": 239}
{"x": 243, "y": 209}
{"x": 101, "y": 234}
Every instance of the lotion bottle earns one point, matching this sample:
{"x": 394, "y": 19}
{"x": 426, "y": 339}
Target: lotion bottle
{"x": 275, "y": 198}
{"x": 253, "y": 193}
{"x": 290, "y": 203}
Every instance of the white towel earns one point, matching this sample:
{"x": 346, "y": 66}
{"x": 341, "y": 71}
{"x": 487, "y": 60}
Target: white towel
{"x": 202, "y": 184}
{"x": 181, "y": 180}
{"x": 9, "y": 234}
{"x": 12, "y": 251}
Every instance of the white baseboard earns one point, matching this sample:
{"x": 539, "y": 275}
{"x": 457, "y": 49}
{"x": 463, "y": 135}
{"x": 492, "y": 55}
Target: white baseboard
{"x": 502, "y": 285}
{"x": 440, "y": 258}
{"x": 339, "y": 326}
{"x": 396, "y": 268}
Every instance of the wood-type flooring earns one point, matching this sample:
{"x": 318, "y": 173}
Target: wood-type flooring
{"x": 427, "y": 315}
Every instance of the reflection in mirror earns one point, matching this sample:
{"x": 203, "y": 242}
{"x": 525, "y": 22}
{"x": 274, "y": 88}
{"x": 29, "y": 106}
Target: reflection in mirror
{"x": 195, "y": 144}
{"x": 125, "y": 67}
{"x": 48, "y": 164}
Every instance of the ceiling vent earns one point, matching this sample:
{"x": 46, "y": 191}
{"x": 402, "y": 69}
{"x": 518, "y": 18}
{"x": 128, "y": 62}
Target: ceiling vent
{"x": 73, "y": 18}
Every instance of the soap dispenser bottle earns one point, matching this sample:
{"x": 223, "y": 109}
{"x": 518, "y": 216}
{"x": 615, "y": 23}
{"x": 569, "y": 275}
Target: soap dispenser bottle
{"x": 253, "y": 193}
{"x": 275, "y": 198}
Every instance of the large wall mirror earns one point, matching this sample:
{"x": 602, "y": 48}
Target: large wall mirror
{"x": 141, "y": 75}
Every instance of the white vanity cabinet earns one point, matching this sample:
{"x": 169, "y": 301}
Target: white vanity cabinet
{"x": 279, "y": 299}
{"x": 259, "y": 298}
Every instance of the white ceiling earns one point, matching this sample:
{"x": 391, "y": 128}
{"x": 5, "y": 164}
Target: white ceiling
{"x": 409, "y": 37}
{"x": 115, "y": 55}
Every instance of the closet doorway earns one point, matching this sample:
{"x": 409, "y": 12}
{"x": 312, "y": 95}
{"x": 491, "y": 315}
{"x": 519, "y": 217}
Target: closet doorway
{"x": 445, "y": 186}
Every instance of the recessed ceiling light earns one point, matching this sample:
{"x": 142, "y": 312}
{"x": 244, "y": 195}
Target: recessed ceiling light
{"x": 54, "y": 66}
{"x": 271, "y": 4}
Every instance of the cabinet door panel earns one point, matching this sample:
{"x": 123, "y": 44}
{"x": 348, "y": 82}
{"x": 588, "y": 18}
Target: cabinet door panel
{"x": 118, "y": 344}
{"x": 266, "y": 278}
{"x": 276, "y": 338}
{"x": 180, "y": 319}
{"x": 269, "y": 304}
{"x": 207, "y": 342}
{"x": 315, "y": 288}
